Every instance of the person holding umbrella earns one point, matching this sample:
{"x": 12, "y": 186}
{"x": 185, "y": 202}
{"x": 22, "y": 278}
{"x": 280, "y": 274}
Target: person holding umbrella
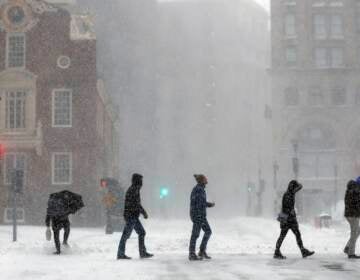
{"x": 198, "y": 205}
{"x": 60, "y": 206}
{"x": 132, "y": 211}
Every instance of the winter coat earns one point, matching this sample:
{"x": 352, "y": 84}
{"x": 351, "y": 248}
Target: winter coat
{"x": 288, "y": 201}
{"x": 352, "y": 200}
{"x": 133, "y": 208}
{"x": 198, "y": 203}
{"x": 56, "y": 220}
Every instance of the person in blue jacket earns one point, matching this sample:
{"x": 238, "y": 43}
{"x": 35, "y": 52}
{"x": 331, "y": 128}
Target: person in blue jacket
{"x": 198, "y": 205}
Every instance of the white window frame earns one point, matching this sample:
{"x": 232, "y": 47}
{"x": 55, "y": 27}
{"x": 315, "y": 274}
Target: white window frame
{"x": 8, "y": 50}
{"x": 6, "y": 182}
{"x": 53, "y": 107}
{"x": 288, "y": 24}
{"x": 53, "y": 155}
{"x": 334, "y": 25}
{"x": 316, "y": 25}
{"x": 8, "y": 215}
{"x": 26, "y": 99}
{"x": 291, "y": 52}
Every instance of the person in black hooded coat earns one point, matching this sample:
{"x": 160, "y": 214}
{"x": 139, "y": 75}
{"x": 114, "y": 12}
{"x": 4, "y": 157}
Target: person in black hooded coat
{"x": 352, "y": 215}
{"x": 288, "y": 221}
{"x": 132, "y": 211}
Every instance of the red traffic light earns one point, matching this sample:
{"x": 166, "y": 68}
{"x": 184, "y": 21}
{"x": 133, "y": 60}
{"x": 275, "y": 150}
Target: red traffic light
{"x": 2, "y": 151}
{"x": 103, "y": 183}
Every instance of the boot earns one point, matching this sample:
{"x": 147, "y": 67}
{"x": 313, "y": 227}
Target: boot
{"x": 57, "y": 253}
{"x": 353, "y": 257}
{"x": 306, "y": 253}
{"x": 278, "y": 255}
{"x": 123, "y": 257}
{"x": 146, "y": 255}
{"x": 194, "y": 257}
{"x": 203, "y": 255}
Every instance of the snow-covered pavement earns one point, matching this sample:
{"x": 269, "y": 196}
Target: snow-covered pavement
{"x": 241, "y": 248}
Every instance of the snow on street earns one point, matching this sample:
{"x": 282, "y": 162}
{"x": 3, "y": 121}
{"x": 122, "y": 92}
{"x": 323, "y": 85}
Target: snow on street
{"x": 241, "y": 249}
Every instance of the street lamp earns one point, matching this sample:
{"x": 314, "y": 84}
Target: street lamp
{"x": 295, "y": 159}
{"x": 295, "y": 165}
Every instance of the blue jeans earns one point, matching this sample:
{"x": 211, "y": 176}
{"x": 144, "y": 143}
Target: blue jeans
{"x": 132, "y": 224}
{"x": 198, "y": 225}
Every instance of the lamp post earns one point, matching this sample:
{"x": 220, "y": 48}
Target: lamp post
{"x": 276, "y": 200}
{"x": 296, "y": 166}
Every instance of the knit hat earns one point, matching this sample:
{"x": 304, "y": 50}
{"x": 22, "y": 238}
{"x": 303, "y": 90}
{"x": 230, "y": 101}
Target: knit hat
{"x": 200, "y": 178}
{"x": 358, "y": 180}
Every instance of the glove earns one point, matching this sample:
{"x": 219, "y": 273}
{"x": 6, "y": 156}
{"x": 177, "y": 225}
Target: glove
{"x": 48, "y": 234}
{"x": 211, "y": 204}
{"x": 146, "y": 215}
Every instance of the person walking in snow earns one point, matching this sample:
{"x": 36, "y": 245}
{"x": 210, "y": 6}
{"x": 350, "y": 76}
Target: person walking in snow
{"x": 198, "y": 205}
{"x": 352, "y": 215}
{"x": 58, "y": 223}
{"x": 288, "y": 221}
{"x": 132, "y": 211}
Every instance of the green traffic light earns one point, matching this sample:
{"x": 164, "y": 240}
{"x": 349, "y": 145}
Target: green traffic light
{"x": 164, "y": 192}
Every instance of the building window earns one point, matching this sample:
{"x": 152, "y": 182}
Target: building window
{"x": 337, "y": 57}
{"x": 15, "y": 110}
{"x": 62, "y": 108}
{"x": 290, "y": 3}
{"x": 338, "y": 96}
{"x": 336, "y": 4}
{"x": 14, "y": 161}
{"x": 320, "y": 31}
{"x": 292, "y": 97}
{"x": 16, "y": 50}
{"x": 8, "y": 215}
{"x": 61, "y": 168}
{"x": 290, "y": 26}
{"x": 319, "y": 4}
{"x": 315, "y": 97}
{"x": 336, "y": 27}
{"x": 329, "y": 58}
{"x": 321, "y": 60}
{"x": 291, "y": 56}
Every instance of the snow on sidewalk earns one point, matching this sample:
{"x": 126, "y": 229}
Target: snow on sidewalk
{"x": 242, "y": 249}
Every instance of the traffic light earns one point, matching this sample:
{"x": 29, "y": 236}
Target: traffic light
{"x": 164, "y": 192}
{"x": 2, "y": 151}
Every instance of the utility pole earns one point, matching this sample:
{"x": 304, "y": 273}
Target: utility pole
{"x": 14, "y": 204}
{"x": 276, "y": 200}
{"x": 296, "y": 165}
{"x": 17, "y": 180}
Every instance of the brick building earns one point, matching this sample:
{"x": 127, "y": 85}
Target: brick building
{"x": 56, "y": 121}
{"x": 316, "y": 93}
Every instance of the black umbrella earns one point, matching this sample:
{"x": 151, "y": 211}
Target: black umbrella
{"x": 64, "y": 203}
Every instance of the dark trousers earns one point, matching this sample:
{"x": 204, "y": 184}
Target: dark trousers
{"x": 132, "y": 224}
{"x": 199, "y": 225}
{"x": 57, "y": 226}
{"x": 285, "y": 227}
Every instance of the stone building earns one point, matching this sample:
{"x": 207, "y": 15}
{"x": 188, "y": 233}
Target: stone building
{"x": 316, "y": 92}
{"x": 56, "y": 122}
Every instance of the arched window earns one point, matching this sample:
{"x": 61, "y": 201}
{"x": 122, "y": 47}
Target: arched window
{"x": 292, "y": 97}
